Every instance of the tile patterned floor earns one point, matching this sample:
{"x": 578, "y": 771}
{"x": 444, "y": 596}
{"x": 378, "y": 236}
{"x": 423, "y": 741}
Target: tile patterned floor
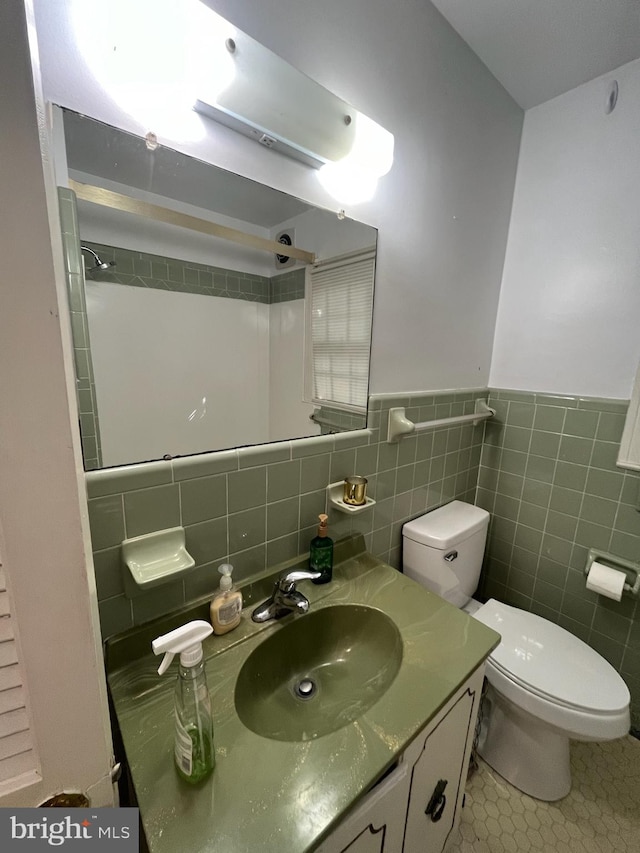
{"x": 601, "y": 814}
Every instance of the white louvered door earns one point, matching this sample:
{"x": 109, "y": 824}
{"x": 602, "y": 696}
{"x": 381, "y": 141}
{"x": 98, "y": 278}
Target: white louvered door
{"x": 17, "y": 754}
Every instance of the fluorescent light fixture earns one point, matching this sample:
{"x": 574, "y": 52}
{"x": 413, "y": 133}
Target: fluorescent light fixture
{"x": 273, "y": 103}
{"x": 157, "y": 58}
{"x": 354, "y": 178}
{"x": 270, "y": 101}
{"x": 147, "y": 57}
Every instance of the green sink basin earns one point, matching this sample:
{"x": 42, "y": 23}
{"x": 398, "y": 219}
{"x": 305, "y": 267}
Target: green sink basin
{"x": 318, "y": 673}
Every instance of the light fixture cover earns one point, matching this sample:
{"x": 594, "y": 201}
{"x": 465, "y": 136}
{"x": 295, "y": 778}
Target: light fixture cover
{"x": 272, "y": 102}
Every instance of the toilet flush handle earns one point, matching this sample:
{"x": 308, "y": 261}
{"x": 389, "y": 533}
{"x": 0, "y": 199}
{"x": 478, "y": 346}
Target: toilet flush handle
{"x": 451, "y": 556}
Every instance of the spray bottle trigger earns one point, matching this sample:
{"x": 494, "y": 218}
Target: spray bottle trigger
{"x": 166, "y": 663}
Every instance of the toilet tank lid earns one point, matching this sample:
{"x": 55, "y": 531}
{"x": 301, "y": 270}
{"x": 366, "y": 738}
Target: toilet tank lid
{"x": 441, "y": 528}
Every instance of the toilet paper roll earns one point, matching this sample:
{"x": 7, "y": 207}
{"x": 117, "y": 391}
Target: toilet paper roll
{"x": 606, "y": 581}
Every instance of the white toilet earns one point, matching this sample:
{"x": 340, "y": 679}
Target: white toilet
{"x": 545, "y": 686}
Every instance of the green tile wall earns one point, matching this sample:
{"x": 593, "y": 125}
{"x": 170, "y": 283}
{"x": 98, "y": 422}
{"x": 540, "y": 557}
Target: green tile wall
{"x": 548, "y": 477}
{"x": 258, "y": 506}
{"x": 331, "y": 420}
{"x": 544, "y": 468}
{"x": 287, "y": 286}
{"x": 141, "y": 269}
{"x": 85, "y": 385}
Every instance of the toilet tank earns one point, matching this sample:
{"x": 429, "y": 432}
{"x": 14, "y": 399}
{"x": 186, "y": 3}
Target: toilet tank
{"x": 443, "y": 550}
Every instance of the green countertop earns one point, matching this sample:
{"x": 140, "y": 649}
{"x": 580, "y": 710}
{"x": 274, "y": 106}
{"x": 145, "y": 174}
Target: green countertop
{"x": 268, "y": 794}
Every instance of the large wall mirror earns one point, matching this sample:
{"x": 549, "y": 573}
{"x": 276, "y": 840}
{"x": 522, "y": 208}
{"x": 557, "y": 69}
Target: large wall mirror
{"x": 195, "y": 331}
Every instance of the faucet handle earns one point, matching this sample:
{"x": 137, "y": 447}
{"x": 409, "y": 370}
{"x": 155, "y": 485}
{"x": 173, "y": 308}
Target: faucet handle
{"x": 286, "y": 581}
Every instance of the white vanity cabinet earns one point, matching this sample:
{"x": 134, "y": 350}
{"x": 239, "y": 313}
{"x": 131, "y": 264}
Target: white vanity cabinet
{"x": 416, "y": 807}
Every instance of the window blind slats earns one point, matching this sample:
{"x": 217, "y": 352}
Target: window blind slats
{"x": 341, "y": 303}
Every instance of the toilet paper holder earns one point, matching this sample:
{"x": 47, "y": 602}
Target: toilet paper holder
{"x": 632, "y": 570}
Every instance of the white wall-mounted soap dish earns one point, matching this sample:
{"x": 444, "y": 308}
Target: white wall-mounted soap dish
{"x": 335, "y": 492}
{"x": 156, "y": 558}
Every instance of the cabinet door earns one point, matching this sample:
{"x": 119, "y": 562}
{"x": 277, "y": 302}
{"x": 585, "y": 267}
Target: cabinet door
{"x": 376, "y": 824}
{"x": 438, "y": 778}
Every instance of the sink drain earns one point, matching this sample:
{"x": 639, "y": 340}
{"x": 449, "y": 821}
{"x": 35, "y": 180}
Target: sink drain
{"x": 306, "y": 688}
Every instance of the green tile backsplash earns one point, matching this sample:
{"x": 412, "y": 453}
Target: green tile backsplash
{"x": 544, "y": 467}
{"x": 256, "y": 507}
{"x": 548, "y": 476}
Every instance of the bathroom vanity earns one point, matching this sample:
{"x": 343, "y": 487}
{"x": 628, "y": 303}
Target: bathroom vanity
{"x": 416, "y": 807}
{"x": 379, "y": 764}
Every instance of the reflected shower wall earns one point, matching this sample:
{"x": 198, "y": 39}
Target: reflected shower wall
{"x": 137, "y": 345}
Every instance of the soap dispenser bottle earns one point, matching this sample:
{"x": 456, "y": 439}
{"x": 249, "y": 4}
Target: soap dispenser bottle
{"x": 321, "y": 552}
{"x": 226, "y": 606}
{"x": 193, "y": 729}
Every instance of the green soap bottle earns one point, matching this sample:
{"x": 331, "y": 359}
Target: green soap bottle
{"x": 321, "y": 552}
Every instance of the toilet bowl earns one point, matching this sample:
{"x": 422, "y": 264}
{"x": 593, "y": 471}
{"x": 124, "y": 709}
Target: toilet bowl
{"x": 544, "y": 686}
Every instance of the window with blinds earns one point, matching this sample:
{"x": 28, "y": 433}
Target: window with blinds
{"x": 339, "y": 311}
{"x": 17, "y": 755}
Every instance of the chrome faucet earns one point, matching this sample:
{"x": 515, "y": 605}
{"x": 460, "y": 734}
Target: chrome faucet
{"x": 285, "y": 598}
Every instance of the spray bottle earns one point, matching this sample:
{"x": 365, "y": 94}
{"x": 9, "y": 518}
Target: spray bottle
{"x": 193, "y": 743}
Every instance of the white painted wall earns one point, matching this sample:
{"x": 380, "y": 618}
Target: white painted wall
{"x": 177, "y": 373}
{"x": 570, "y": 302}
{"x": 442, "y": 211}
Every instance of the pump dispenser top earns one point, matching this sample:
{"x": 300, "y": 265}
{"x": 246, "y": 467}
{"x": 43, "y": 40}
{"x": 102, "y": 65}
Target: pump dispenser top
{"x": 185, "y": 641}
{"x": 323, "y": 529}
{"x": 226, "y": 581}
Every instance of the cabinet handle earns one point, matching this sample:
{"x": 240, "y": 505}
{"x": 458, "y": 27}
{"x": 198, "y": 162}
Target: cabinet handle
{"x": 438, "y": 802}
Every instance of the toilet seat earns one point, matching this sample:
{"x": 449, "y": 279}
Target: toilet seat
{"x": 553, "y": 675}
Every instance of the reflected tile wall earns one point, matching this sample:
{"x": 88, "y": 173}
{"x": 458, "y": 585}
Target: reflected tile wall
{"x": 141, "y": 269}
{"x": 85, "y": 385}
